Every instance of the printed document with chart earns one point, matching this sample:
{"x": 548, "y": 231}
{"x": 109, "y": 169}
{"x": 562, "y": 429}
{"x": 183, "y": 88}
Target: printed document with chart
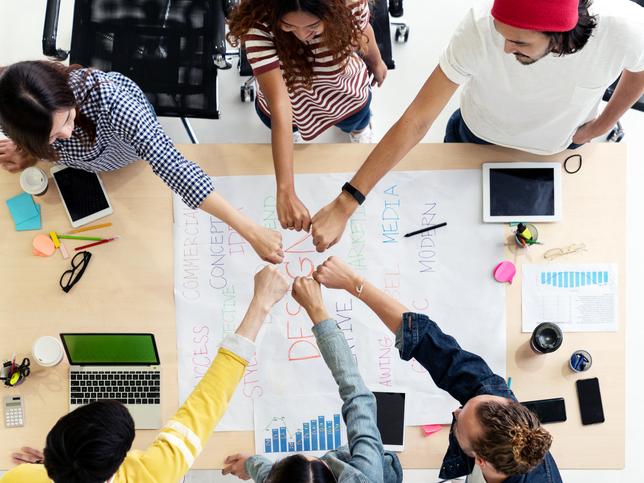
{"x": 579, "y": 298}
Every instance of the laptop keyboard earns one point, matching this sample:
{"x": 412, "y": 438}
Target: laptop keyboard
{"x": 132, "y": 387}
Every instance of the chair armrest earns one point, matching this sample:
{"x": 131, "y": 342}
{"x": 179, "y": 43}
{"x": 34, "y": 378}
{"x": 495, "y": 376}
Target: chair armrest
{"x": 50, "y": 31}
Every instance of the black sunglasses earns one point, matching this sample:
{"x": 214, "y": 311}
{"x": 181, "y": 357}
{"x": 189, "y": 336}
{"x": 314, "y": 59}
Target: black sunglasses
{"x": 70, "y": 277}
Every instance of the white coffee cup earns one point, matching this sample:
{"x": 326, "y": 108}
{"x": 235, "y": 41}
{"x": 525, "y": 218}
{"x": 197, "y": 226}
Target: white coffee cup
{"x": 48, "y": 351}
{"x": 34, "y": 181}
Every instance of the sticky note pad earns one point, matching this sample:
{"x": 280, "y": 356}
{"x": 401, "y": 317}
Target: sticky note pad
{"x": 30, "y": 224}
{"x": 22, "y": 208}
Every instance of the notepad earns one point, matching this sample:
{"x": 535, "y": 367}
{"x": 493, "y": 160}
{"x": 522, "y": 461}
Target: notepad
{"x": 25, "y": 212}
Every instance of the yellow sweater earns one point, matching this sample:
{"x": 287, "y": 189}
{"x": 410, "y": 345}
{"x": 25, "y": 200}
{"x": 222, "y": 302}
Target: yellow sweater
{"x": 174, "y": 450}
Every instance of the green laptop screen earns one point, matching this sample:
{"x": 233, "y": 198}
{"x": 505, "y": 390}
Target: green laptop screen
{"x": 110, "y": 348}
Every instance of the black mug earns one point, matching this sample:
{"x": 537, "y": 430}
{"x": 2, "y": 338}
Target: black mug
{"x": 546, "y": 337}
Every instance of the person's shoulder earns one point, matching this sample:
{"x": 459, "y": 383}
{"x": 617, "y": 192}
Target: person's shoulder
{"x": 26, "y": 472}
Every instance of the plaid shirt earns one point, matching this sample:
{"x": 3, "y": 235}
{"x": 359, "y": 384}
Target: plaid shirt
{"x": 127, "y": 130}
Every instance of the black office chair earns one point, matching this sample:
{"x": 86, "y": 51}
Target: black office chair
{"x": 171, "y": 48}
{"x": 381, "y": 28}
{"x": 618, "y": 133}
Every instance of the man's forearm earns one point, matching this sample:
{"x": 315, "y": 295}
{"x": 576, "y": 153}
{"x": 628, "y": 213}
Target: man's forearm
{"x": 407, "y": 132}
{"x": 629, "y": 89}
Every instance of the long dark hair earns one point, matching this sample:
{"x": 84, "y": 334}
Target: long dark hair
{"x": 565, "y": 43}
{"x": 342, "y": 34}
{"x": 89, "y": 444}
{"x": 298, "y": 469}
{"x": 30, "y": 93}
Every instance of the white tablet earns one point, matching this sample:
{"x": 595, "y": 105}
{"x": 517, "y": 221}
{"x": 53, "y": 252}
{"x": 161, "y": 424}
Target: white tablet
{"x": 521, "y": 192}
{"x": 391, "y": 419}
{"x": 83, "y": 195}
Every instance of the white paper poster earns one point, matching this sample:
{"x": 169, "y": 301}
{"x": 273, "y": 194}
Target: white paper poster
{"x": 309, "y": 424}
{"x": 579, "y": 298}
{"x": 445, "y": 273}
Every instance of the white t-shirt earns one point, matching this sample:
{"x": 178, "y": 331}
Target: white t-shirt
{"x": 538, "y": 107}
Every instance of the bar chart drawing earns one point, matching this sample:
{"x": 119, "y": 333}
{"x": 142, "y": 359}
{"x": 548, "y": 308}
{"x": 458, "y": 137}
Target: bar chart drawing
{"x": 318, "y": 434}
{"x": 570, "y": 279}
{"x": 310, "y": 424}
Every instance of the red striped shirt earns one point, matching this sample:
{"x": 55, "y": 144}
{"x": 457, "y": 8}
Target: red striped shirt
{"x": 337, "y": 91}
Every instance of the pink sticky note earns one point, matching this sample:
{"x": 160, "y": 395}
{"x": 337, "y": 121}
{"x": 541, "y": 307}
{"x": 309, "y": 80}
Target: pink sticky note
{"x": 43, "y": 246}
{"x": 430, "y": 429}
{"x": 505, "y": 272}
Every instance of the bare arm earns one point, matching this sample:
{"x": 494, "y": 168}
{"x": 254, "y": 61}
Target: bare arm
{"x": 629, "y": 89}
{"x": 373, "y": 59}
{"x": 290, "y": 210}
{"x": 329, "y": 222}
{"x": 334, "y": 273}
{"x": 267, "y": 243}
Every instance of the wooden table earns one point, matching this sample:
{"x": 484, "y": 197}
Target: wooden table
{"x": 128, "y": 287}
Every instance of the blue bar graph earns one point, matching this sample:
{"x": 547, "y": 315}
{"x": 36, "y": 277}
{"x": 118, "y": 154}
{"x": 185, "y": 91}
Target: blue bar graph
{"x": 574, "y": 279}
{"x": 314, "y": 435}
{"x": 321, "y": 427}
{"x": 298, "y": 441}
{"x": 276, "y": 438}
{"x": 283, "y": 439}
{"x": 307, "y": 437}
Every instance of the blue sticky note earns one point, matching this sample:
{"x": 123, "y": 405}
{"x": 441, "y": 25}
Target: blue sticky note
{"x": 30, "y": 224}
{"x": 22, "y": 208}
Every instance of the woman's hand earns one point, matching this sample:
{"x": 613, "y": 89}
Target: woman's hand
{"x": 28, "y": 455}
{"x": 307, "y": 293}
{"x": 267, "y": 243}
{"x": 236, "y": 465}
{"x": 379, "y": 71}
{"x": 330, "y": 221}
{"x": 12, "y": 159}
{"x": 291, "y": 212}
{"x": 270, "y": 286}
{"x": 334, "y": 273}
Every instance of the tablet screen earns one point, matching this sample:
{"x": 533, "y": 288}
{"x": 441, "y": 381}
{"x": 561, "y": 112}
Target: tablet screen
{"x": 391, "y": 417}
{"x": 522, "y": 192}
{"x": 81, "y": 191}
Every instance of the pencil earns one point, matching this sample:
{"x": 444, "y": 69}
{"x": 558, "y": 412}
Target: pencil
{"x": 87, "y": 238}
{"x": 87, "y": 228}
{"x": 106, "y": 240}
{"x": 427, "y": 228}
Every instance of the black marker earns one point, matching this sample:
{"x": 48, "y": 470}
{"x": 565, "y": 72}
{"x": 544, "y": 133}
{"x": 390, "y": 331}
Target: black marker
{"x": 423, "y": 230}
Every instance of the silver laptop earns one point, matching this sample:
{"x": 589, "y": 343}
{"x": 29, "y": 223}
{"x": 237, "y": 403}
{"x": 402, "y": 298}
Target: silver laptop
{"x": 124, "y": 367}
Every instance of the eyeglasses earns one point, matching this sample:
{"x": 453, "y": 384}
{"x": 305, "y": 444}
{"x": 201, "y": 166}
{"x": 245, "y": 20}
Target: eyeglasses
{"x": 69, "y": 278}
{"x": 558, "y": 252}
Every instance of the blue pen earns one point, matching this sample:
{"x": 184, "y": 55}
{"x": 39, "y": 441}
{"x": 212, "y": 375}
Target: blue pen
{"x": 509, "y": 383}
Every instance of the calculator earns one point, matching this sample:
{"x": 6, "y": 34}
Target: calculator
{"x": 13, "y": 412}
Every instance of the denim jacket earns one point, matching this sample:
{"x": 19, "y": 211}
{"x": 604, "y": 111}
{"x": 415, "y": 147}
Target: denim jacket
{"x": 363, "y": 460}
{"x": 463, "y": 375}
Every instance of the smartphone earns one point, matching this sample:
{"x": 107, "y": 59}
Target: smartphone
{"x": 548, "y": 410}
{"x": 83, "y": 195}
{"x": 391, "y": 419}
{"x": 590, "y": 401}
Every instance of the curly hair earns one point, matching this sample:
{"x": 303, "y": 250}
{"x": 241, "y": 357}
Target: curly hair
{"x": 342, "y": 34}
{"x": 513, "y": 440}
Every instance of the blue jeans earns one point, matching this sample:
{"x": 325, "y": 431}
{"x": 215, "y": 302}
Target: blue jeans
{"x": 458, "y": 132}
{"x": 463, "y": 375}
{"x": 353, "y": 123}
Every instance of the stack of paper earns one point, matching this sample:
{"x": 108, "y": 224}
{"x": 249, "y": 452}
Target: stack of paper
{"x": 25, "y": 212}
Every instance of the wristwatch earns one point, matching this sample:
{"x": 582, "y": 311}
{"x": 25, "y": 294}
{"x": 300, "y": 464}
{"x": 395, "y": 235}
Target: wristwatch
{"x": 354, "y": 192}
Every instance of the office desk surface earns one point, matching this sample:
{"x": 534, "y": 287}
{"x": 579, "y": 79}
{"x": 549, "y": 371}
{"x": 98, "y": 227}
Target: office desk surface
{"x": 128, "y": 286}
